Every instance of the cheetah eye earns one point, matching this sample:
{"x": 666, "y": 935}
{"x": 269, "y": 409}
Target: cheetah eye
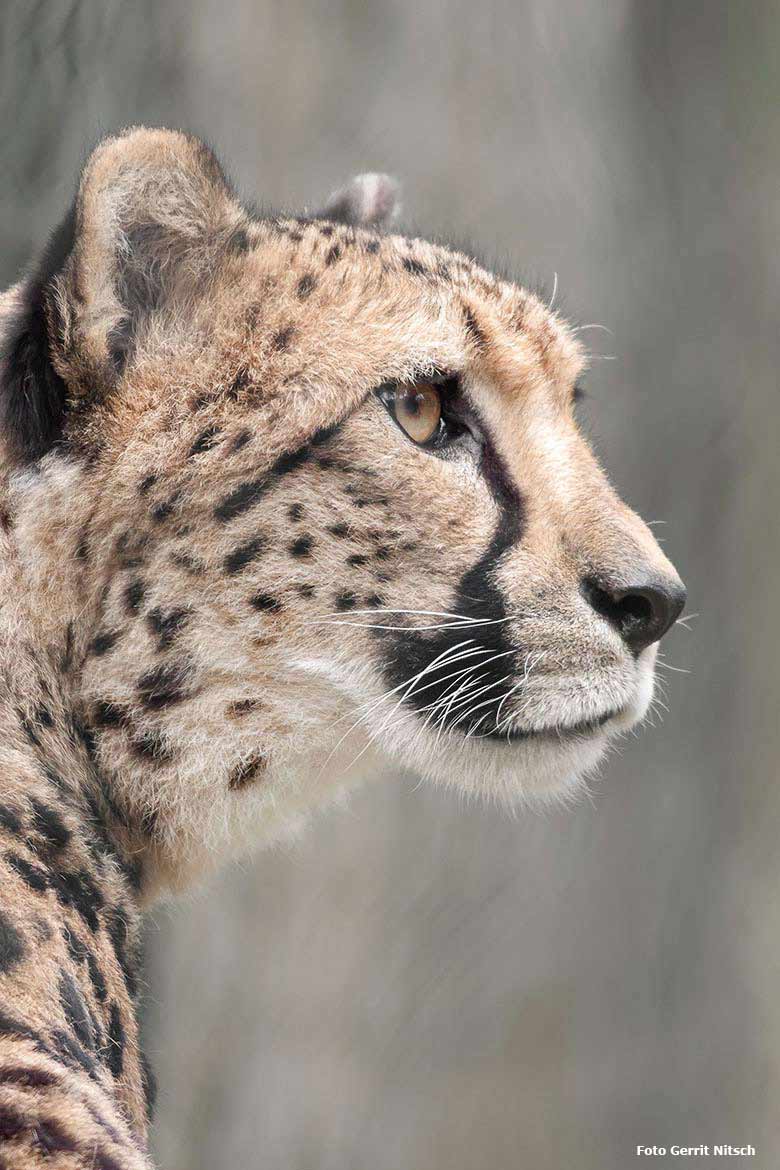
{"x": 433, "y": 413}
{"x": 417, "y": 408}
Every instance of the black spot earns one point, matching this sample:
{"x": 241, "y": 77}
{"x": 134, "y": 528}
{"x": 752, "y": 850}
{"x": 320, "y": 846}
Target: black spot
{"x": 12, "y": 947}
{"x": 48, "y": 822}
{"x": 382, "y": 552}
{"x": 239, "y": 440}
{"x": 372, "y": 246}
{"x": 327, "y": 230}
{"x": 247, "y": 495}
{"x": 29, "y": 729}
{"x": 50, "y": 1136}
{"x": 116, "y": 1040}
{"x": 162, "y": 687}
{"x": 415, "y": 267}
{"x": 134, "y": 596}
{"x": 67, "y": 654}
{"x": 302, "y": 546}
{"x": 240, "y": 500}
{"x": 373, "y": 601}
{"x": 332, "y": 255}
{"x": 9, "y": 820}
{"x": 27, "y": 1078}
{"x": 96, "y": 977}
{"x": 86, "y": 736}
{"x": 149, "y": 1083}
{"x": 240, "y": 557}
{"x": 295, "y": 512}
{"x": 44, "y": 716}
{"x": 166, "y": 625}
{"x": 242, "y": 707}
{"x": 282, "y": 338}
{"x": 104, "y": 1161}
{"x": 307, "y": 591}
{"x": 105, "y": 714}
{"x": 73, "y": 1052}
{"x": 118, "y": 932}
{"x": 357, "y": 559}
{"x": 76, "y": 948}
{"x": 103, "y": 642}
{"x": 242, "y": 381}
{"x": 339, "y": 529}
{"x": 75, "y": 1010}
{"x": 79, "y": 891}
{"x": 150, "y": 746}
{"x": 146, "y": 483}
{"x": 266, "y": 603}
{"x": 205, "y": 440}
{"x": 12, "y": 1124}
{"x": 245, "y": 772}
{"x": 346, "y": 601}
{"x": 164, "y": 509}
{"x": 238, "y": 241}
{"x": 35, "y": 878}
{"x": 306, "y": 286}
{"x": 474, "y": 329}
{"x": 9, "y": 1026}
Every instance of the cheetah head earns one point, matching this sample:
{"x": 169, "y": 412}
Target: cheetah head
{"x": 305, "y": 498}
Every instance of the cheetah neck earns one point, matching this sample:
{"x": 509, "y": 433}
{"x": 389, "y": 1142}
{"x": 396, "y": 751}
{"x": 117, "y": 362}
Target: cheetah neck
{"x": 70, "y": 885}
{"x": 45, "y": 618}
{"x": 48, "y": 610}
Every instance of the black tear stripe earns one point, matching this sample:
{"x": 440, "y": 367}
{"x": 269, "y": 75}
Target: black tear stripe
{"x": 250, "y": 493}
{"x": 406, "y": 653}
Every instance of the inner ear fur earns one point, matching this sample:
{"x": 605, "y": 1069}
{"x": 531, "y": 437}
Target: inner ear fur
{"x": 153, "y": 209}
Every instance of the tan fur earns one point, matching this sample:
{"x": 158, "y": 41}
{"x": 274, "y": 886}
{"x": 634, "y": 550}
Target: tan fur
{"x": 214, "y": 722}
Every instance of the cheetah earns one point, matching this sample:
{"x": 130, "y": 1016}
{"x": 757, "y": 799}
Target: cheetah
{"x": 284, "y": 499}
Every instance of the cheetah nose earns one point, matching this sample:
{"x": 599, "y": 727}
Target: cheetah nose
{"x": 641, "y": 612}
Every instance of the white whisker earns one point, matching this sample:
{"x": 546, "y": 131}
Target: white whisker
{"x": 554, "y": 292}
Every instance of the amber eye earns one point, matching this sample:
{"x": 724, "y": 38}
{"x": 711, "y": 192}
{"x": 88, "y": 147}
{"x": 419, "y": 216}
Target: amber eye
{"x": 417, "y": 409}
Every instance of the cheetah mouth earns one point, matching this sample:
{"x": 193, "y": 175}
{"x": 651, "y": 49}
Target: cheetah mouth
{"x": 560, "y": 732}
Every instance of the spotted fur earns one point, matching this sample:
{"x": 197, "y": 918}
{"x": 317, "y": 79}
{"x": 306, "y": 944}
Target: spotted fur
{"x": 231, "y": 586}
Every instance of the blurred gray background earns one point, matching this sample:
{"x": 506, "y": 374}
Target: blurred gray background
{"x": 419, "y": 984}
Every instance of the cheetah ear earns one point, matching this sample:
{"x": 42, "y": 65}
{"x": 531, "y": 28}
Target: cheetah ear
{"x": 367, "y": 201}
{"x": 152, "y": 209}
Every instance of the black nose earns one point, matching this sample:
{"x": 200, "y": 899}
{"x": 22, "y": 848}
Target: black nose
{"x": 641, "y": 613}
